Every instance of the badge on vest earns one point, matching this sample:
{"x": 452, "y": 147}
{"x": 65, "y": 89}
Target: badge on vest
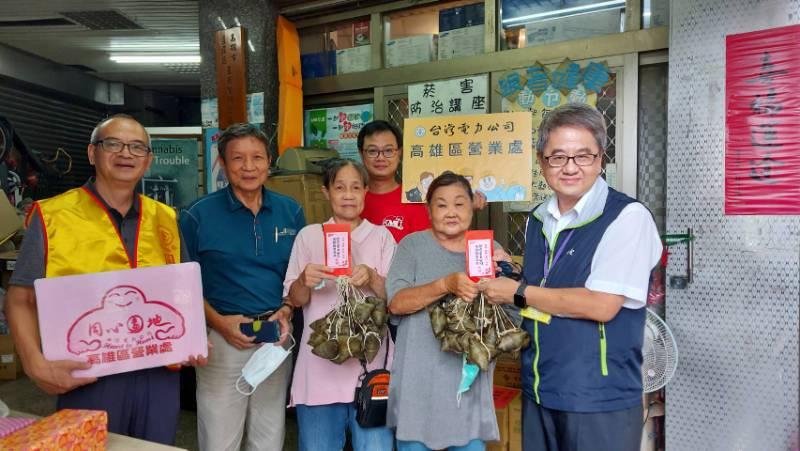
{"x": 536, "y": 315}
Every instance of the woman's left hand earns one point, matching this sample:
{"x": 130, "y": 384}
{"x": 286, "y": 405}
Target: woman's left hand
{"x": 361, "y": 276}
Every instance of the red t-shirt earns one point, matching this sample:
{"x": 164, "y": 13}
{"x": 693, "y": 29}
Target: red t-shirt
{"x": 389, "y": 210}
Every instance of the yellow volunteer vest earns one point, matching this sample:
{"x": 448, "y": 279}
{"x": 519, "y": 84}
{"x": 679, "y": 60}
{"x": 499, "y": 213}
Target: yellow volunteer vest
{"x": 81, "y": 238}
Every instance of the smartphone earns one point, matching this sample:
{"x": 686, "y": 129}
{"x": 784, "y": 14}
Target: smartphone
{"x": 264, "y": 331}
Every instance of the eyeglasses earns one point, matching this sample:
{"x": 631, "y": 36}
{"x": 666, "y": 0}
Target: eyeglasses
{"x": 116, "y": 146}
{"x": 387, "y": 153}
{"x": 557, "y": 161}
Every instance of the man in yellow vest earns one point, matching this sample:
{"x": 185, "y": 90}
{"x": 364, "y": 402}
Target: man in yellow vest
{"x": 102, "y": 226}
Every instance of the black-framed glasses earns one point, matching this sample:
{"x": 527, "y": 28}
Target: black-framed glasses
{"x": 387, "y": 152}
{"x": 557, "y": 161}
{"x": 115, "y": 146}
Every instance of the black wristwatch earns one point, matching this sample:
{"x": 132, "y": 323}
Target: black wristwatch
{"x": 519, "y": 296}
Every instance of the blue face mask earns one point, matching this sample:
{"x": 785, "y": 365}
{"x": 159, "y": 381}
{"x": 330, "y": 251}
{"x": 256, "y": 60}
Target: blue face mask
{"x": 261, "y": 365}
{"x": 469, "y": 372}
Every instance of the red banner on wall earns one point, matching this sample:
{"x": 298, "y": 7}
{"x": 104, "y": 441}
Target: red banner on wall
{"x": 762, "y": 123}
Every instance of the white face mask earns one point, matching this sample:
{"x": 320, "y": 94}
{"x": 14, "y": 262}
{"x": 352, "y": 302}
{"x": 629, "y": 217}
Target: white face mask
{"x": 262, "y": 364}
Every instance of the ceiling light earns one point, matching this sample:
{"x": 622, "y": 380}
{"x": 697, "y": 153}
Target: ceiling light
{"x": 155, "y": 59}
{"x": 596, "y": 7}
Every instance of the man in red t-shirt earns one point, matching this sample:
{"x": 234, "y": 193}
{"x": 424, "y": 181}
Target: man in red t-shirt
{"x": 381, "y": 146}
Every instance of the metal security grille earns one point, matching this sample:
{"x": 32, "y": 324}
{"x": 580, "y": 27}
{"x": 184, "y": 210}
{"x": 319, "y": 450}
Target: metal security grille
{"x": 606, "y": 104}
{"x": 46, "y": 122}
{"x": 397, "y": 110}
{"x": 652, "y": 141}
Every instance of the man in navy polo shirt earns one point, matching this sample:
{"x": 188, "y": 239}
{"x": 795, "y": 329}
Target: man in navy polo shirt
{"x": 588, "y": 257}
{"x": 242, "y": 237}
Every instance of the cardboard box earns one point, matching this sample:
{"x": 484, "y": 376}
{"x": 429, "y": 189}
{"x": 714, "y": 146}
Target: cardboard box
{"x": 10, "y": 366}
{"x": 504, "y": 399}
{"x": 65, "y": 429}
{"x": 507, "y": 372}
{"x": 306, "y": 189}
{"x": 355, "y": 59}
{"x": 515, "y": 424}
{"x": 410, "y": 50}
{"x": 8, "y": 261}
{"x": 10, "y": 222}
{"x": 460, "y": 42}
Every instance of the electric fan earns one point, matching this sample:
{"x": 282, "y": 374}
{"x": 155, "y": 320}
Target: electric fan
{"x": 659, "y": 354}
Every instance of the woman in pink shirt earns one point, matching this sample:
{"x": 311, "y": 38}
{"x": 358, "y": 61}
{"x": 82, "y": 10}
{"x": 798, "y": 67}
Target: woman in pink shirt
{"x": 323, "y": 391}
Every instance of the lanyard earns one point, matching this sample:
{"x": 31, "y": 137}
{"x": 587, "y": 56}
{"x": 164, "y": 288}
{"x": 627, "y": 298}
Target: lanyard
{"x": 559, "y": 251}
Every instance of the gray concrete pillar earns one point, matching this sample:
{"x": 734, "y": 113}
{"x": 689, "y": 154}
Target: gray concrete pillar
{"x": 258, "y": 17}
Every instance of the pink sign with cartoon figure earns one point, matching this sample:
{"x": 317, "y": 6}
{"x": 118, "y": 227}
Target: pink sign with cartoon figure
{"x": 123, "y": 321}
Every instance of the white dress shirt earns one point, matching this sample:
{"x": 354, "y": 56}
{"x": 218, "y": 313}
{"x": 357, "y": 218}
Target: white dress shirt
{"x": 627, "y": 252}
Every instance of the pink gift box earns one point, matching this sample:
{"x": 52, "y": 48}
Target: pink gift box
{"x": 123, "y": 321}
{"x": 9, "y": 425}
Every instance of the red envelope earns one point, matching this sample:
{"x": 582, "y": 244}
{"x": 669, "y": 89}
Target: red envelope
{"x": 337, "y": 248}
{"x": 480, "y": 254}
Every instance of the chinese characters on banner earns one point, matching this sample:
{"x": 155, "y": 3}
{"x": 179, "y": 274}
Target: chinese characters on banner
{"x": 231, "y": 76}
{"x": 493, "y": 151}
{"x": 480, "y": 252}
{"x": 762, "y": 139}
{"x": 337, "y": 248}
{"x": 123, "y": 320}
{"x": 539, "y": 90}
{"x": 457, "y": 96}
{"x": 336, "y": 128}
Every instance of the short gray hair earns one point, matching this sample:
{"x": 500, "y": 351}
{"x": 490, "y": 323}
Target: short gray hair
{"x": 104, "y": 122}
{"x": 333, "y": 168}
{"x": 241, "y": 130}
{"x": 577, "y": 115}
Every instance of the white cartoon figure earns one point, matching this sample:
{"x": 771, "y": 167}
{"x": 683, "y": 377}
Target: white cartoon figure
{"x": 124, "y": 319}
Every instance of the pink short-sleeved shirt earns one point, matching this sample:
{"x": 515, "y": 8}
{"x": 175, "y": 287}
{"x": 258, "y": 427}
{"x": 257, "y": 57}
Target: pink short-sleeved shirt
{"x": 318, "y": 381}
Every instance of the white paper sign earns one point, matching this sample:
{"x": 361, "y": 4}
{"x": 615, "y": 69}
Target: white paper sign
{"x": 209, "y": 116}
{"x": 337, "y": 250}
{"x": 460, "y": 42}
{"x": 356, "y": 59}
{"x": 480, "y": 258}
{"x": 456, "y": 96}
{"x": 255, "y": 108}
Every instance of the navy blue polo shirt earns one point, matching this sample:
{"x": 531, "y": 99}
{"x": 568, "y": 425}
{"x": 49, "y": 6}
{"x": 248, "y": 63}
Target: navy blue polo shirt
{"x": 243, "y": 257}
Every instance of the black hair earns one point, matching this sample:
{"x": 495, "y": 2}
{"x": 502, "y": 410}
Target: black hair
{"x": 333, "y": 168}
{"x": 378, "y": 126}
{"x": 448, "y": 178}
{"x": 241, "y": 130}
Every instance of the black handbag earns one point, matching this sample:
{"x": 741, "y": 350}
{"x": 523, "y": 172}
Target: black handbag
{"x": 372, "y": 397}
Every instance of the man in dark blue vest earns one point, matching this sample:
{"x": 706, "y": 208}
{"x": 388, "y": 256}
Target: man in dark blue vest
{"x": 588, "y": 256}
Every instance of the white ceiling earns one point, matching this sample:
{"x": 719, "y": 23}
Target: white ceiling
{"x": 167, "y": 26}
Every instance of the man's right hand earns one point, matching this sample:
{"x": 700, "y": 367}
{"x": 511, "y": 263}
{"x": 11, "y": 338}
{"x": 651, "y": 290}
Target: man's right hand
{"x": 228, "y": 327}
{"x": 55, "y": 377}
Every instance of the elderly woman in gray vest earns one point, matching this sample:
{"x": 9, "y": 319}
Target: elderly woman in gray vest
{"x": 423, "y": 404}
